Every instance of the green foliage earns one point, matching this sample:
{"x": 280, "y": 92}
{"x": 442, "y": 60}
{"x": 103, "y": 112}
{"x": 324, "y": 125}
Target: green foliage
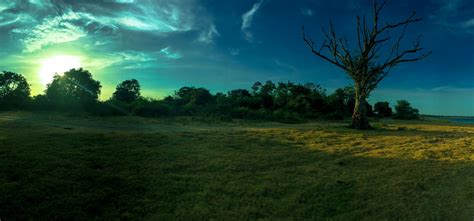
{"x": 76, "y": 90}
{"x": 14, "y": 91}
{"x": 127, "y": 91}
{"x": 342, "y": 102}
{"x": 383, "y": 109}
{"x": 405, "y": 111}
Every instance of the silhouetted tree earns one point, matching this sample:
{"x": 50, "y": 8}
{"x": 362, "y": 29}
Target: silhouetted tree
{"x": 365, "y": 65}
{"x": 265, "y": 93}
{"x": 405, "y": 111}
{"x": 190, "y": 100}
{"x": 14, "y": 90}
{"x": 75, "y": 90}
{"x": 127, "y": 91}
{"x": 383, "y": 109}
{"x": 341, "y": 102}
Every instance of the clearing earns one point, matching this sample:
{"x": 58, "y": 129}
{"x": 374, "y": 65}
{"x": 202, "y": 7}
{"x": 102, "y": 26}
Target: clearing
{"x": 59, "y": 167}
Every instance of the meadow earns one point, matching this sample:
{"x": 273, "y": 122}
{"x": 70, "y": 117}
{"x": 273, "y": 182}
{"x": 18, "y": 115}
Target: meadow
{"x": 60, "y": 167}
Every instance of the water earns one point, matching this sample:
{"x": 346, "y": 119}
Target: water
{"x": 462, "y": 120}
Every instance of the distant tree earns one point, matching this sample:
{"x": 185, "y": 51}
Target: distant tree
{"x": 75, "y": 90}
{"x": 14, "y": 90}
{"x": 264, "y": 93}
{"x": 405, "y": 111}
{"x": 383, "y": 109}
{"x": 190, "y": 100}
{"x": 127, "y": 91}
{"x": 365, "y": 65}
{"x": 201, "y": 96}
{"x": 239, "y": 93}
{"x": 341, "y": 102}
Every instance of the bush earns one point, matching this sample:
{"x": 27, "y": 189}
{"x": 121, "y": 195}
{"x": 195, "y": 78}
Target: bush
{"x": 405, "y": 111}
{"x": 151, "y": 108}
{"x": 14, "y": 91}
{"x": 383, "y": 109}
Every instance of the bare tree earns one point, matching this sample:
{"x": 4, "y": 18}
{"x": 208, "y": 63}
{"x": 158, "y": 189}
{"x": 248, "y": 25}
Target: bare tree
{"x": 365, "y": 65}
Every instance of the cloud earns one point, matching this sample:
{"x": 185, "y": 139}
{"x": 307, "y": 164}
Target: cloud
{"x": 126, "y": 60}
{"x": 37, "y": 24}
{"x": 234, "y": 51}
{"x": 307, "y": 12}
{"x": 455, "y": 15}
{"x": 166, "y": 52}
{"x": 468, "y": 24}
{"x": 247, "y": 19}
{"x": 208, "y": 36}
{"x": 285, "y": 67}
{"x": 55, "y": 30}
{"x": 168, "y": 17}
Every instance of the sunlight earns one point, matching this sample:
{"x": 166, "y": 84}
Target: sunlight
{"x": 57, "y": 64}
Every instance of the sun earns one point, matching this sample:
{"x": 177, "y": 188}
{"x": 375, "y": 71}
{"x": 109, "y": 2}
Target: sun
{"x": 57, "y": 65}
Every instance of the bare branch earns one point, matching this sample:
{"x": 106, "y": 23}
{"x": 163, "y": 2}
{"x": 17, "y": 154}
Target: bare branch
{"x": 410, "y": 19}
{"x": 310, "y": 44}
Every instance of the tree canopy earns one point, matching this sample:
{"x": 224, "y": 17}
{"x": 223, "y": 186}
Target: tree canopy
{"x": 14, "y": 90}
{"x": 76, "y": 89}
{"x": 127, "y": 91}
{"x": 405, "y": 111}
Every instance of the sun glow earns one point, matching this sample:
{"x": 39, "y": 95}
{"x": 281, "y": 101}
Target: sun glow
{"x": 57, "y": 65}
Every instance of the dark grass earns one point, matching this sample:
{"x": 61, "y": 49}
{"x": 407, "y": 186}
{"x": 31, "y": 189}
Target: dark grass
{"x": 69, "y": 173}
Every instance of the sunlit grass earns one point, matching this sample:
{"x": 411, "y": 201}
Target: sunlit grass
{"x": 60, "y": 167}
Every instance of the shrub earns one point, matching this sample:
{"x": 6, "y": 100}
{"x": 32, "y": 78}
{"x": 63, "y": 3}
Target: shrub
{"x": 405, "y": 111}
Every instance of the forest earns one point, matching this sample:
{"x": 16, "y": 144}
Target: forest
{"x": 77, "y": 92}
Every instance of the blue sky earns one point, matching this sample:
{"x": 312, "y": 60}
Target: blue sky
{"x": 224, "y": 45}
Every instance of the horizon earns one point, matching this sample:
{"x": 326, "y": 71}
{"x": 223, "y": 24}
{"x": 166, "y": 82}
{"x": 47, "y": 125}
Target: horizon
{"x": 231, "y": 45}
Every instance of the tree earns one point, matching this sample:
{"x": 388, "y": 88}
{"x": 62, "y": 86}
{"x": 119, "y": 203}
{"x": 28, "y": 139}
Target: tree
{"x": 383, "y": 109}
{"x": 75, "y": 90}
{"x": 14, "y": 90}
{"x": 405, "y": 111}
{"x": 365, "y": 65}
{"x": 341, "y": 102}
{"x": 265, "y": 93}
{"x": 191, "y": 100}
{"x": 127, "y": 91}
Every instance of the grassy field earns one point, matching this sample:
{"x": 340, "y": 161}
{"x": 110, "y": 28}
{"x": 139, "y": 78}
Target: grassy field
{"x": 86, "y": 168}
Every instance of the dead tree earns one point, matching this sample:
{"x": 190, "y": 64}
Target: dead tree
{"x": 365, "y": 65}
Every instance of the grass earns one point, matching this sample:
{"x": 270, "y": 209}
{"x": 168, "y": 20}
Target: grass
{"x": 56, "y": 167}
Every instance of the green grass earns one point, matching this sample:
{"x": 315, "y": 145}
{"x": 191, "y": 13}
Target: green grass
{"x": 56, "y": 167}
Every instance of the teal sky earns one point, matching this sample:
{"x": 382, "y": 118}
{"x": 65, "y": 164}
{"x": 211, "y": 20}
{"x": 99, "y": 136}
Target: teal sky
{"x": 223, "y": 45}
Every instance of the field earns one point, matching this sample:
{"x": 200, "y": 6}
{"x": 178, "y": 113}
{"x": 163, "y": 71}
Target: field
{"x": 58, "y": 167}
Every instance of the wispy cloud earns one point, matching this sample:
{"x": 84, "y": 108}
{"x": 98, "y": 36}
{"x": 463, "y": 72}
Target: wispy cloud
{"x": 126, "y": 60}
{"x": 166, "y": 52}
{"x": 71, "y": 21}
{"x": 468, "y": 24}
{"x": 54, "y": 30}
{"x": 207, "y": 36}
{"x": 455, "y": 15}
{"x": 247, "y": 19}
{"x": 234, "y": 51}
{"x": 307, "y": 12}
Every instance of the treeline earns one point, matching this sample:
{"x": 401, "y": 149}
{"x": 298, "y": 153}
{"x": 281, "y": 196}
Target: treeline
{"x": 76, "y": 91}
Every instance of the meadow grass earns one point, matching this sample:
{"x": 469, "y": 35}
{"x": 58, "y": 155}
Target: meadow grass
{"x": 58, "y": 167}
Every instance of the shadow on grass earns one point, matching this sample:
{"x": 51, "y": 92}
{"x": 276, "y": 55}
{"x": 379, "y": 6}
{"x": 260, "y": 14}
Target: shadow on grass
{"x": 217, "y": 175}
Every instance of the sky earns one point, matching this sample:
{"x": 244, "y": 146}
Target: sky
{"x": 223, "y": 45}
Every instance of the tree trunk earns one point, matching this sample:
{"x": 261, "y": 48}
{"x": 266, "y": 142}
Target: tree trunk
{"x": 359, "y": 116}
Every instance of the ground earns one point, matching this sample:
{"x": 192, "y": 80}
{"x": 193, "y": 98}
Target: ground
{"x": 58, "y": 167}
